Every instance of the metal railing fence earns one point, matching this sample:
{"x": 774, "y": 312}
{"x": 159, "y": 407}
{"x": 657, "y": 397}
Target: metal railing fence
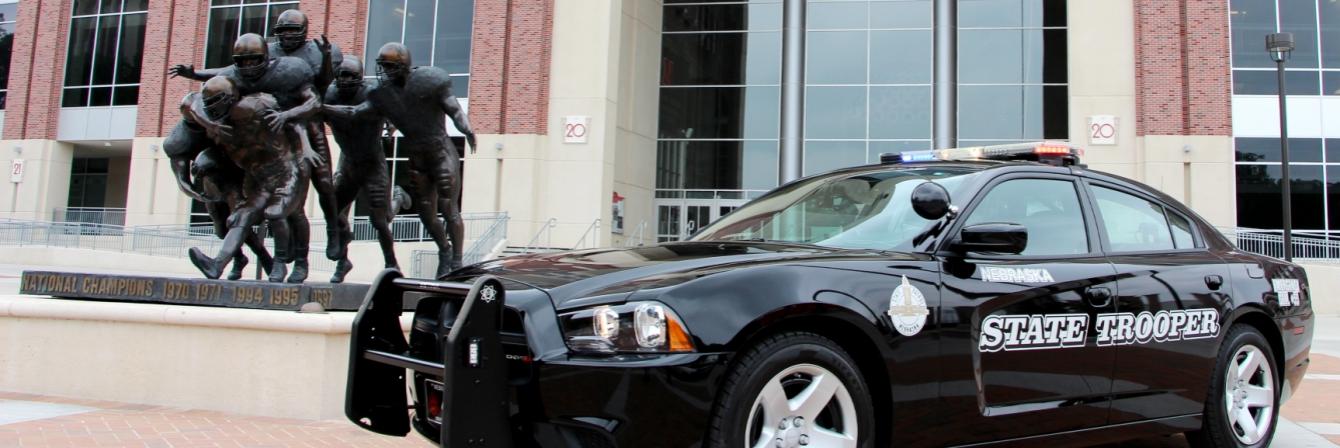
{"x": 90, "y": 215}
{"x": 485, "y": 236}
{"x": 1312, "y": 246}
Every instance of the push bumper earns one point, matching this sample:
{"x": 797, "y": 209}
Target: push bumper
{"x": 475, "y": 402}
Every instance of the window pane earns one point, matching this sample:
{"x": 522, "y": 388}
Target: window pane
{"x": 255, "y": 19}
{"x": 1181, "y": 230}
{"x": 126, "y": 96}
{"x": 877, "y": 147}
{"x": 1332, "y": 193}
{"x": 223, "y": 25}
{"x": 1049, "y": 209}
{"x": 1268, "y": 150}
{"x": 822, "y": 156}
{"x": 759, "y": 170}
{"x": 1300, "y": 18}
{"x": 1330, "y": 34}
{"x": 104, "y": 58}
{"x": 1011, "y": 13}
{"x": 132, "y": 49}
{"x": 1251, "y": 21}
{"x": 110, "y": 6}
{"x": 455, "y": 25}
{"x": 1332, "y": 83}
{"x": 835, "y": 112}
{"x": 9, "y": 12}
{"x": 82, "y": 7}
{"x": 385, "y": 21}
{"x": 719, "y": 112}
{"x": 1012, "y": 112}
{"x": 837, "y": 15}
{"x": 1132, "y": 224}
{"x": 722, "y": 17}
{"x": 74, "y": 98}
{"x": 836, "y": 57}
{"x": 716, "y": 165}
{"x": 1012, "y": 56}
{"x": 762, "y": 112}
{"x": 900, "y": 14}
{"x": 1258, "y": 196}
{"x": 137, "y": 5}
{"x": 460, "y": 86}
{"x": 1257, "y": 82}
{"x": 900, "y": 112}
{"x": 100, "y": 96}
{"x": 79, "y": 63}
{"x": 6, "y": 52}
{"x": 703, "y": 59}
{"x": 900, "y": 57}
{"x": 419, "y": 30}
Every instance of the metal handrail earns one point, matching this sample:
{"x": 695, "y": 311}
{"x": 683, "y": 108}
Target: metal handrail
{"x": 91, "y": 215}
{"x": 546, "y": 231}
{"x": 593, "y": 232}
{"x": 637, "y": 236}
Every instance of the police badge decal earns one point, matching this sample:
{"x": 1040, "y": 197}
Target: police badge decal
{"x": 907, "y": 309}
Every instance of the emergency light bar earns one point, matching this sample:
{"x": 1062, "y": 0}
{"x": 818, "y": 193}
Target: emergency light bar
{"x": 1054, "y": 153}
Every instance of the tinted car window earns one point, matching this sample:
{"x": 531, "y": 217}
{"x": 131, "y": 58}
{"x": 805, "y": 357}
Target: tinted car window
{"x": 1048, "y": 208}
{"x": 1132, "y": 224}
{"x": 1181, "y": 231}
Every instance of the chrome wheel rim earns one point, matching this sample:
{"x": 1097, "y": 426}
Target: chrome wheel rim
{"x": 803, "y": 406}
{"x": 1249, "y": 394}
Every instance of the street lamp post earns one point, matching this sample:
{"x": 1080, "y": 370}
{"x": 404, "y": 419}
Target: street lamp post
{"x": 1280, "y": 45}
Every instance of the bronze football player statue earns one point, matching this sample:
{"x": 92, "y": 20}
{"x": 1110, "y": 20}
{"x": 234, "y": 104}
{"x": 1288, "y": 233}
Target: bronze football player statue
{"x": 275, "y": 174}
{"x": 418, "y": 102}
{"x": 362, "y": 172}
{"x": 290, "y": 80}
{"x": 204, "y": 176}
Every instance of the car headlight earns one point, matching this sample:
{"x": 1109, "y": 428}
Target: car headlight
{"x": 636, "y": 327}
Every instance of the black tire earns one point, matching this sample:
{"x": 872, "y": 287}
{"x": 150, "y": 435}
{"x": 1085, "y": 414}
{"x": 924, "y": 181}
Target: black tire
{"x": 759, "y": 365}
{"x": 1217, "y": 431}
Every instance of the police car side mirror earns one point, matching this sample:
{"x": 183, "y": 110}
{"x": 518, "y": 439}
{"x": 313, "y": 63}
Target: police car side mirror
{"x": 997, "y": 237}
{"x": 930, "y": 200}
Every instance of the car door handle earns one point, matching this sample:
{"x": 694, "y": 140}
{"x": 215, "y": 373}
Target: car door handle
{"x": 1214, "y": 281}
{"x": 1098, "y": 296}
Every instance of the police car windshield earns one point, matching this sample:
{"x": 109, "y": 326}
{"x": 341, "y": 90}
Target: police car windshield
{"x": 863, "y": 210}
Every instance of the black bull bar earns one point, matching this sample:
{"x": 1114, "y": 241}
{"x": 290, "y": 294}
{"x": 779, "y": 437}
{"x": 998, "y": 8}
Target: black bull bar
{"x": 475, "y": 396}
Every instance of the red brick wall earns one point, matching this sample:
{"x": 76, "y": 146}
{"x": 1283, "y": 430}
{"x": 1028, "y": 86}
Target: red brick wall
{"x": 510, "y": 61}
{"x": 509, "y": 66}
{"x": 1182, "y": 68}
{"x": 37, "y": 68}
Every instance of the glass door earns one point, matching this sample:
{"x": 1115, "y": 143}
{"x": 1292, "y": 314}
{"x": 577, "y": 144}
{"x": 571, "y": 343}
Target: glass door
{"x": 679, "y": 218}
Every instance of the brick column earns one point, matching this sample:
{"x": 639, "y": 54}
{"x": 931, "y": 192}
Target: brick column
{"x": 345, "y": 25}
{"x": 1182, "y": 68}
{"x": 153, "y": 70}
{"x": 509, "y": 66}
{"x": 36, "y": 69}
{"x": 185, "y": 44}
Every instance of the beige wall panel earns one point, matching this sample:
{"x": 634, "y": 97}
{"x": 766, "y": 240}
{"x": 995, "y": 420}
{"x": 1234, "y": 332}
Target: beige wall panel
{"x": 1101, "y": 47}
{"x": 46, "y": 178}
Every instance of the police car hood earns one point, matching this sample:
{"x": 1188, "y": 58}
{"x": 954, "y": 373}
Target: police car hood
{"x": 581, "y": 278}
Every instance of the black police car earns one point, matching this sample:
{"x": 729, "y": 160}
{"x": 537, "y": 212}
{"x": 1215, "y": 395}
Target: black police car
{"x": 977, "y": 296}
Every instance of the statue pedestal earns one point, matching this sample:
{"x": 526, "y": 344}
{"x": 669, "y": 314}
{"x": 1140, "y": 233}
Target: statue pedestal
{"x": 189, "y": 291}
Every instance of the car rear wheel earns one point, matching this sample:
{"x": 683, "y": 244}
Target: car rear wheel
{"x": 793, "y": 390}
{"x": 1243, "y": 402}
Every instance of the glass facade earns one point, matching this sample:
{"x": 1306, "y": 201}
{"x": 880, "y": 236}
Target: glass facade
{"x": 868, "y": 90}
{"x": 437, "y": 33}
{"x": 1012, "y": 71}
{"x": 9, "y": 13}
{"x": 231, "y": 18}
{"x": 102, "y": 66}
{"x": 1314, "y": 65}
{"x": 867, "y": 81}
{"x": 1314, "y": 172}
{"x": 1313, "y": 69}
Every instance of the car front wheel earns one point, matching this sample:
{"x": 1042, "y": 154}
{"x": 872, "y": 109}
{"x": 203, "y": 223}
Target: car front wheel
{"x": 1244, "y": 400}
{"x": 793, "y": 390}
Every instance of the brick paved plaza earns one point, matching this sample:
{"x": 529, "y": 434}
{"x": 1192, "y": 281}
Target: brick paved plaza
{"x": 50, "y": 422}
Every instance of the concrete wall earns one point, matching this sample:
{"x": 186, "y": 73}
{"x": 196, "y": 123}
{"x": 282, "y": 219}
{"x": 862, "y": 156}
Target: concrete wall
{"x": 46, "y": 178}
{"x": 270, "y": 363}
{"x": 1324, "y": 281}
